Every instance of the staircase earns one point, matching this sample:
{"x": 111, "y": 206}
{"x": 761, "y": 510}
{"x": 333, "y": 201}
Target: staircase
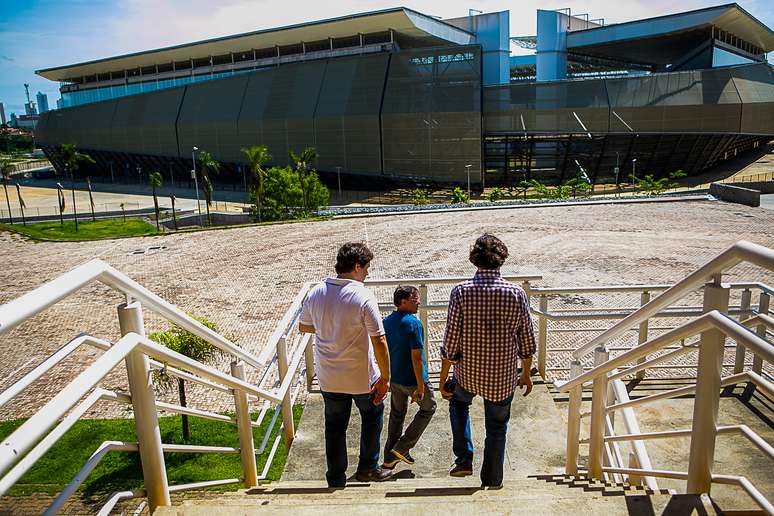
{"x": 533, "y": 474}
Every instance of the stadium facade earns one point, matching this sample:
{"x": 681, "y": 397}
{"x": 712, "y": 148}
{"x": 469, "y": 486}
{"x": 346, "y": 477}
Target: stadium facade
{"x": 397, "y": 95}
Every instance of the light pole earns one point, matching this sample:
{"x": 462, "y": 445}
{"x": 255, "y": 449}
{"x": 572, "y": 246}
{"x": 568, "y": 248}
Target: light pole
{"x": 616, "y": 170}
{"x": 467, "y": 169}
{"x": 196, "y": 182}
{"x": 634, "y": 170}
{"x": 338, "y": 175}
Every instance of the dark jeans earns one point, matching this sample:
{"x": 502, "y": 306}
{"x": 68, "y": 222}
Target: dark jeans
{"x": 399, "y": 402}
{"x": 496, "y": 416}
{"x": 338, "y": 407}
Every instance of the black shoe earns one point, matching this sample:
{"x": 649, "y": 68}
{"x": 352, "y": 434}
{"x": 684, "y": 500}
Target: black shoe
{"x": 373, "y": 475}
{"x": 462, "y": 470}
{"x": 404, "y": 456}
{"x": 491, "y": 487}
{"x": 390, "y": 461}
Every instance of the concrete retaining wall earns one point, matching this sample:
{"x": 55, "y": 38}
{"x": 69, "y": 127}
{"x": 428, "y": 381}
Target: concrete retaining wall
{"x": 764, "y": 187}
{"x": 736, "y": 194}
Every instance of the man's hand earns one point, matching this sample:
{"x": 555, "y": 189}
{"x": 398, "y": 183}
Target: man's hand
{"x": 418, "y": 394}
{"x": 380, "y": 389}
{"x": 444, "y": 393}
{"x": 525, "y": 380}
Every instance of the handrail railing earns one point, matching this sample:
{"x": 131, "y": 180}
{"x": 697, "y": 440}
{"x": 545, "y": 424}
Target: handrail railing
{"x": 713, "y": 327}
{"x": 32, "y": 303}
{"x": 20, "y": 450}
{"x": 735, "y": 254}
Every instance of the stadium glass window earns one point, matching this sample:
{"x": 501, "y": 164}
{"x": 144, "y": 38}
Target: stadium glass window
{"x": 103, "y": 77}
{"x": 149, "y": 70}
{"x": 133, "y": 73}
{"x": 90, "y": 78}
{"x": 203, "y": 61}
{"x": 245, "y": 55}
{"x": 163, "y": 68}
{"x": 349, "y": 41}
{"x": 221, "y": 59}
{"x": 291, "y": 49}
{"x": 376, "y": 38}
{"x": 317, "y": 46}
{"x": 182, "y": 65}
{"x": 264, "y": 53}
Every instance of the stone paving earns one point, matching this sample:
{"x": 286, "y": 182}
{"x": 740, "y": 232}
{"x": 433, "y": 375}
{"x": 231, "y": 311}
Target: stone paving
{"x": 244, "y": 279}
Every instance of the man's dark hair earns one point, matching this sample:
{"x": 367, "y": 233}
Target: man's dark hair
{"x": 351, "y": 254}
{"x": 489, "y": 252}
{"x": 403, "y": 292}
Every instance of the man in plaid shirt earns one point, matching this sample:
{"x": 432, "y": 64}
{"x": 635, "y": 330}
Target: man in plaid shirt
{"x": 488, "y": 329}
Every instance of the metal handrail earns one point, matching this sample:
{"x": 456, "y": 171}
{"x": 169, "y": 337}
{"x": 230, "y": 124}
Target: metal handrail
{"x": 735, "y": 254}
{"x": 709, "y": 320}
{"x": 32, "y": 303}
{"x": 384, "y": 282}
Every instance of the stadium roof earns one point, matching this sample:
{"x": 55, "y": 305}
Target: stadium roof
{"x": 399, "y": 19}
{"x": 663, "y": 38}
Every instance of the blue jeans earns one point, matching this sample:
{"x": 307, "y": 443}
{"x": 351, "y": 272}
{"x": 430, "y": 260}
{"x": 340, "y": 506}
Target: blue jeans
{"x": 338, "y": 407}
{"x": 496, "y": 416}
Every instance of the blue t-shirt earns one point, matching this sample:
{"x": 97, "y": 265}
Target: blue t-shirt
{"x": 404, "y": 333}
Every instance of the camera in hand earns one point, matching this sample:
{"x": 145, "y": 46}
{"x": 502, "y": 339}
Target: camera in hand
{"x": 450, "y": 385}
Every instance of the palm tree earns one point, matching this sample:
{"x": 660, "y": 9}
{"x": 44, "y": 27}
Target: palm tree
{"x": 208, "y": 164}
{"x": 5, "y": 170}
{"x": 303, "y": 163}
{"x": 188, "y": 344}
{"x": 72, "y": 159}
{"x": 256, "y": 156}
{"x": 155, "y": 182}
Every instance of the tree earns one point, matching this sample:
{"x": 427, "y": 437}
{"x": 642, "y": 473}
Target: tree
{"x": 283, "y": 195}
{"x": 5, "y": 170}
{"x": 188, "y": 344}
{"x": 304, "y": 163}
{"x": 208, "y": 165}
{"x": 256, "y": 156}
{"x": 72, "y": 159}
{"x": 495, "y": 195}
{"x": 156, "y": 182}
{"x": 578, "y": 186}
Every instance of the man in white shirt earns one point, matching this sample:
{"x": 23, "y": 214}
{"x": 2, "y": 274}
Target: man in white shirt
{"x": 349, "y": 343}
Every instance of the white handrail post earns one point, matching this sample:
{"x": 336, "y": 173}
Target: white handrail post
{"x": 643, "y": 334}
{"x": 740, "y": 349}
{"x": 542, "y": 335}
{"x": 634, "y": 480}
{"x": 146, "y": 420}
{"x": 573, "y": 421}
{"x": 423, "y": 301}
{"x": 246, "y": 443}
{"x": 309, "y": 361}
{"x": 287, "y": 406}
{"x": 598, "y": 406}
{"x": 707, "y": 400}
{"x": 763, "y": 308}
{"x": 525, "y": 285}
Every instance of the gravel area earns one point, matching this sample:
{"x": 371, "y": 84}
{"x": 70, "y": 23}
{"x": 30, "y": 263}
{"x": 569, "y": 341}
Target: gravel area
{"x": 244, "y": 279}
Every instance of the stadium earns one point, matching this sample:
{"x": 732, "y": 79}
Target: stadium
{"x": 397, "y": 96}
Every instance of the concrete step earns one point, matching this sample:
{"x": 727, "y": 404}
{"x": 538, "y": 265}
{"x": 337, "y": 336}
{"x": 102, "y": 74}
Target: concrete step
{"x": 538, "y": 495}
{"x": 535, "y": 442}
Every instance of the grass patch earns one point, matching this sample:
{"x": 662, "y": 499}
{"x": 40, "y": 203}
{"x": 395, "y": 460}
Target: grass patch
{"x": 122, "y": 470}
{"x": 87, "y": 230}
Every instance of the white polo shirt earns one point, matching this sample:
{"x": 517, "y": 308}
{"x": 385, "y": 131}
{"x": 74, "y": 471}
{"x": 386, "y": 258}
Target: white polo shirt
{"x": 344, "y": 314}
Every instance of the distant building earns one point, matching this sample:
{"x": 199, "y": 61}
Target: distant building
{"x": 29, "y": 108}
{"x": 59, "y": 103}
{"x": 28, "y": 122}
{"x": 42, "y": 102}
{"x": 2, "y": 114}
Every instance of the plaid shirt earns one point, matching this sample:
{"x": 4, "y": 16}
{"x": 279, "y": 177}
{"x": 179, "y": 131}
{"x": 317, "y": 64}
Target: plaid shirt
{"x": 488, "y": 326}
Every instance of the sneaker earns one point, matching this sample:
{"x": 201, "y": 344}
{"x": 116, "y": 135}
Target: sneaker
{"x": 373, "y": 475}
{"x": 404, "y": 456}
{"x": 462, "y": 470}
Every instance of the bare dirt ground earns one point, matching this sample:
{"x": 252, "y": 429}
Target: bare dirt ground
{"x": 244, "y": 279}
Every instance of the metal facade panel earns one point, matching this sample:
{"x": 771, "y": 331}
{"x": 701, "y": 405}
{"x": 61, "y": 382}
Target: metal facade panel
{"x": 347, "y": 115}
{"x": 145, "y": 124}
{"x": 431, "y": 118}
{"x": 278, "y": 109}
{"x": 691, "y": 101}
{"x": 755, "y": 84}
{"x": 557, "y": 107}
{"x": 209, "y": 115}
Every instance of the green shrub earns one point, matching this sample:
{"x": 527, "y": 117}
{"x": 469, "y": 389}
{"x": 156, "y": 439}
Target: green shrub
{"x": 495, "y": 195}
{"x": 419, "y": 196}
{"x": 459, "y": 196}
{"x": 283, "y": 197}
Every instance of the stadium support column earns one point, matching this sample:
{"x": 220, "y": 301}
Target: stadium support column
{"x": 551, "y": 45}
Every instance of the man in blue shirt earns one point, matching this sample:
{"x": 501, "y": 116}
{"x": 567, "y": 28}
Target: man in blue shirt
{"x": 408, "y": 373}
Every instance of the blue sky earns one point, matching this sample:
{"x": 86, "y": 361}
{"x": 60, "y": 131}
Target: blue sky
{"x": 36, "y": 34}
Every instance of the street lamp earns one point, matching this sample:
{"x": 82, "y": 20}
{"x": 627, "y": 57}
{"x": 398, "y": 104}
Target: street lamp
{"x": 338, "y": 175}
{"x": 467, "y": 169}
{"x": 634, "y": 170}
{"x": 196, "y": 182}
